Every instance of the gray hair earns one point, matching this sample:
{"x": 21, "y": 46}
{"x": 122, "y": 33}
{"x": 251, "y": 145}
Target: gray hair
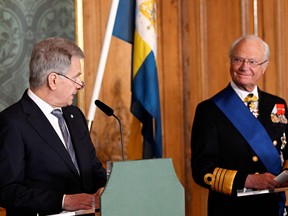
{"x": 251, "y": 37}
{"x": 51, "y": 55}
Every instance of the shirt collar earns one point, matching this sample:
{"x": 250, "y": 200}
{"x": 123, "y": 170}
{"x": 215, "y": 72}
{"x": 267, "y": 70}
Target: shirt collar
{"x": 44, "y": 106}
{"x": 241, "y": 93}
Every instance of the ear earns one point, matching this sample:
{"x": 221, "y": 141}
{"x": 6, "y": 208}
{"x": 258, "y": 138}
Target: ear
{"x": 52, "y": 80}
{"x": 265, "y": 67}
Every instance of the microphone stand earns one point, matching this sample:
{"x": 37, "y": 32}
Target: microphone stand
{"x": 120, "y": 127}
{"x": 109, "y": 111}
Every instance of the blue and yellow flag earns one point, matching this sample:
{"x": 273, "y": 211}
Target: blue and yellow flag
{"x": 136, "y": 24}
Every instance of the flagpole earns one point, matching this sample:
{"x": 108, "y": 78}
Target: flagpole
{"x": 102, "y": 61}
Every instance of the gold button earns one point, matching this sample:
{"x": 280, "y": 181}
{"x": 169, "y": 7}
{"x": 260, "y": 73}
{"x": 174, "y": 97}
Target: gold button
{"x": 255, "y": 158}
{"x": 275, "y": 142}
{"x": 256, "y": 173}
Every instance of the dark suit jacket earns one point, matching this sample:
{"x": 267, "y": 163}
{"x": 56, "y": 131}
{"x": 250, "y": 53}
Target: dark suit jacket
{"x": 35, "y": 167}
{"x": 215, "y": 142}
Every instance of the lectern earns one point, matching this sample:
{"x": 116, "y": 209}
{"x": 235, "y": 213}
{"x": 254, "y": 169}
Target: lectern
{"x": 141, "y": 188}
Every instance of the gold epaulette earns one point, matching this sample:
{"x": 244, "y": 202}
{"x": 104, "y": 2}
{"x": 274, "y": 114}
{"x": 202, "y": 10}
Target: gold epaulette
{"x": 221, "y": 180}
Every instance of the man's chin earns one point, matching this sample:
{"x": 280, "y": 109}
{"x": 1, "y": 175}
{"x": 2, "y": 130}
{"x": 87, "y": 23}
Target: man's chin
{"x": 243, "y": 79}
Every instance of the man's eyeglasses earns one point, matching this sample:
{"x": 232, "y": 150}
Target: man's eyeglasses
{"x": 82, "y": 85}
{"x": 251, "y": 62}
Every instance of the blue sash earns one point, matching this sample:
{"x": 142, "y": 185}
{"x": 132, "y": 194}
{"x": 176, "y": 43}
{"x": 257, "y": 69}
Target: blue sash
{"x": 250, "y": 128}
{"x": 253, "y": 131}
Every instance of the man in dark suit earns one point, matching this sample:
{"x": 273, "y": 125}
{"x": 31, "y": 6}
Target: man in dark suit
{"x": 44, "y": 167}
{"x": 239, "y": 142}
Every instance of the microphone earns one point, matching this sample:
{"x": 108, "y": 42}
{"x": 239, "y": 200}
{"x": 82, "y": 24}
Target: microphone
{"x": 106, "y": 109}
{"x": 110, "y": 112}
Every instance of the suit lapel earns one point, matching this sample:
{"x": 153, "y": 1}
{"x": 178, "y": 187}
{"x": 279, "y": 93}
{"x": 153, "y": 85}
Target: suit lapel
{"x": 40, "y": 123}
{"x": 265, "y": 111}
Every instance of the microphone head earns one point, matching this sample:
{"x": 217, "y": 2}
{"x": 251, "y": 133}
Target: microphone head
{"x": 106, "y": 109}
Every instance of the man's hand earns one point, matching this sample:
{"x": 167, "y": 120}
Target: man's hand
{"x": 261, "y": 181}
{"x": 74, "y": 202}
{"x": 96, "y": 204}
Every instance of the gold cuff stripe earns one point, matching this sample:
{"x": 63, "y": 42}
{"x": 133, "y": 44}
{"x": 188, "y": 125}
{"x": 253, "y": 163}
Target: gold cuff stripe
{"x": 221, "y": 180}
{"x": 228, "y": 182}
{"x": 216, "y": 180}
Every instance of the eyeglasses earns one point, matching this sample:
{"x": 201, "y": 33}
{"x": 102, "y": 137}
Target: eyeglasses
{"x": 82, "y": 85}
{"x": 251, "y": 62}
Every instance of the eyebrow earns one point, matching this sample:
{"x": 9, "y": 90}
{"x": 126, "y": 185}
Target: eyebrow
{"x": 77, "y": 75}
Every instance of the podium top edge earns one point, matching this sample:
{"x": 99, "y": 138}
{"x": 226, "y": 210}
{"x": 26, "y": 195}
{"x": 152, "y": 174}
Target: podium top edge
{"x": 140, "y": 160}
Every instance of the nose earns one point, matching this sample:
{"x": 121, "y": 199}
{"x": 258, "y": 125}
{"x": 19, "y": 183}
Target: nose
{"x": 245, "y": 61}
{"x": 245, "y": 65}
{"x": 80, "y": 84}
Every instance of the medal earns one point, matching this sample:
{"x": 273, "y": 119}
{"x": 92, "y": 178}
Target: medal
{"x": 278, "y": 114}
{"x": 283, "y": 140}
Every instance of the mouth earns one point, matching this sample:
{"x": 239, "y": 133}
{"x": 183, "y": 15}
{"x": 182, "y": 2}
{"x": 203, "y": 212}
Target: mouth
{"x": 243, "y": 74}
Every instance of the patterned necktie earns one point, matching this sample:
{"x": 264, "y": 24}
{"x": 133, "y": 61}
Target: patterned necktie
{"x": 251, "y": 101}
{"x": 66, "y": 136}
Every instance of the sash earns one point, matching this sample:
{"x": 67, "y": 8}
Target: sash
{"x": 254, "y": 132}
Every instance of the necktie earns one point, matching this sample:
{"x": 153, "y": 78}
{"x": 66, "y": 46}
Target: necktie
{"x": 66, "y": 136}
{"x": 251, "y": 100}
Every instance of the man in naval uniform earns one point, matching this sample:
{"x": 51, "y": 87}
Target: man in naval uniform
{"x": 238, "y": 138}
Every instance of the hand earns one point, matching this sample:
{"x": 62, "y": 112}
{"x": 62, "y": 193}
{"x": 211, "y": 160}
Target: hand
{"x": 261, "y": 181}
{"x": 96, "y": 200}
{"x": 74, "y": 202}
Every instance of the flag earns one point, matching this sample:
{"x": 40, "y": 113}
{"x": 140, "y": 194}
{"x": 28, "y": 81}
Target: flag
{"x": 136, "y": 23}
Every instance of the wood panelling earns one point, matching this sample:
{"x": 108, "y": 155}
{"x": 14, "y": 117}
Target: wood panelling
{"x": 212, "y": 26}
{"x": 194, "y": 37}
{"x": 171, "y": 82}
{"x": 115, "y": 89}
{"x": 275, "y": 21}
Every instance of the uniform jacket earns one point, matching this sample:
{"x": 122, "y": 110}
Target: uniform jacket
{"x": 217, "y": 145}
{"x": 36, "y": 169}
